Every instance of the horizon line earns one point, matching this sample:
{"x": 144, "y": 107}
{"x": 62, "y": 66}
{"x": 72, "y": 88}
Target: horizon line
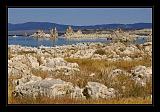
{"x": 77, "y": 25}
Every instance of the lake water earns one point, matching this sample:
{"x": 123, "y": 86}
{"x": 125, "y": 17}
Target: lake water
{"x": 30, "y": 41}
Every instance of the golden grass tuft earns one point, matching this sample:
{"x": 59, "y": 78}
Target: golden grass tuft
{"x": 66, "y": 100}
{"x": 40, "y": 73}
{"x": 26, "y": 52}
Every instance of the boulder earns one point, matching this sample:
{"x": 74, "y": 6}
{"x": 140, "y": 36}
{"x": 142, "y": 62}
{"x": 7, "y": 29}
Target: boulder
{"x": 60, "y": 90}
{"x": 140, "y": 70}
{"x": 18, "y": 66}
{"x": 27, "y": 78}
{"x": 127, "y": 58}
{"x": 53, "y": 62}
{"x": 87, "y": 53}
{"x": 59, "y": 64}
{"x": 33, "y": 61}
{"x": 141, "y": 74}
{"x": 96, "y": 90}
{"x": 48, "y": 87}
{"x": 117, "y": 72}
{"x": 77, "y": 93}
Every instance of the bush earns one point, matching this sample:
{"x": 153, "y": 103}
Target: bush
{"x": 100, "y": 52}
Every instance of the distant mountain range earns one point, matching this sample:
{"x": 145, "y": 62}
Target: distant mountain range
{"x": 61, "y": 27}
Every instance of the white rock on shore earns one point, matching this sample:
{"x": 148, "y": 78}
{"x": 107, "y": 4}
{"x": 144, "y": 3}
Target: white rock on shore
{"x": 86, "y": 50}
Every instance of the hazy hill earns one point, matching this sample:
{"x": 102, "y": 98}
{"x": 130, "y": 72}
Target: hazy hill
{"x": 61, "y": 27}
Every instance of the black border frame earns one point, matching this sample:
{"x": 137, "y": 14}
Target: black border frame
{"x": 81, "y": 104}
{"x": 93, "y": 107}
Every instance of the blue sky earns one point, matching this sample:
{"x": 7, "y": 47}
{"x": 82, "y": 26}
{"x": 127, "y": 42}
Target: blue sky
{"x": 80, "y": 16}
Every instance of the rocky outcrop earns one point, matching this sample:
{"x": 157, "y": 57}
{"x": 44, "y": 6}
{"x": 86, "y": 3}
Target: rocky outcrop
{"x": 148, "y": 48}
{"x": 52, "y": 60}
{"x": 25, "y": 79}
{"x": 47, "y": 87}
{"x": 21, "y": 65}
{"x": 141, "y": 74}
{"x": 96, "y": 90}
{"x": 59, "y": 64}
{"x": 78, "y": 93}
{"x": 18, "y": 66}
{"x": 83, "y": 54}
{"x": 113, "y": 51}
{"x": 117, "y": 72}
{"x": 53, "y": 88}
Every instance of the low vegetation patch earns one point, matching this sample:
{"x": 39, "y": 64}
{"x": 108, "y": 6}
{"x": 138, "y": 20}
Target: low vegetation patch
{"x": 26, "y": 52}
{"x": 40, "y": 73}
{"x": 46, "y": 100}
{"x": 100, "y": 52}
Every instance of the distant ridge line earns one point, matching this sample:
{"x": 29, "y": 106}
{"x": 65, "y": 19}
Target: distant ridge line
{"x": 62, "y": 27}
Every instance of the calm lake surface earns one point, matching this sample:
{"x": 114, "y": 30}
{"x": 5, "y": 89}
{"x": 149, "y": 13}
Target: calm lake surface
{"x": 30, "y": 41}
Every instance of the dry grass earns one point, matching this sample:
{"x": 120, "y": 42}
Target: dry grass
{"x": 133, "y": 94}
{"x": 26, "y": 52}
{"x": 98, "y": 65}
{"x": 10, "y": 55}
{"x": 46, "y": 100}
{"x": 10, "y": 90}
{"x": 102, "y": 68}
{"x": 40, "y": 73}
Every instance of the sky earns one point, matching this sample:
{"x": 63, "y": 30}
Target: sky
{"x": 80, "y": 16}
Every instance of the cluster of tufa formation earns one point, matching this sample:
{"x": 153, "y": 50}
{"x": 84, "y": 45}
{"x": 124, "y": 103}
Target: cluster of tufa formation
{"x": 41, "y": 34}
{"x": 53, "y": 33}
{"x": 119, "y": 35}
{"x": 115, "y": 35}
{"x": 71, "y": 34}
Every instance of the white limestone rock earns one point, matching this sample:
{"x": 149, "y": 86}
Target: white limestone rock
{"x": 47, "y": 87}
{"x": 141, "y": 74}
{"x": 87, "y": 53}
{"x": 78, "y": 93}
{"x": 33, "y": 61}
{"x": 117, "y": 72}
{"x": 96, "y": 90}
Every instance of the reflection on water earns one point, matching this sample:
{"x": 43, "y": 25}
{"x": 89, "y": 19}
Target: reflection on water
{"x": 33, "y": 42}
